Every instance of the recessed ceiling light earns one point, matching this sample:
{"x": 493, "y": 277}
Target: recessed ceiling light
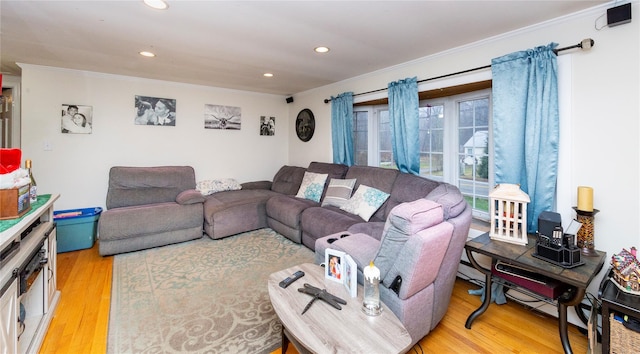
{"x": 147, "y": 54}
{"x": 157, "y": 4}
{"x": 321, "y": 49}
{"x": 267, "y": 75}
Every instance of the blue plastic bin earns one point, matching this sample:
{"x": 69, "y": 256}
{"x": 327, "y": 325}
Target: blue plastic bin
{"x": 77, "y": 228}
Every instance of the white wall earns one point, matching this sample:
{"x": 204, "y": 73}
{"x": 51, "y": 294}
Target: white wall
{"x": 78, "y": 165}
{"x": 603, "y": 111}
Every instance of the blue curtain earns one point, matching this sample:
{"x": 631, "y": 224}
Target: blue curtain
{"x": 403, "y": 117}
{"x": 342, "y": 128}
{"x": 526, "y": 125}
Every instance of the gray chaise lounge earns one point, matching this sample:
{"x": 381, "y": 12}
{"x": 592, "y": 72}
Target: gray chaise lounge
{"x": 150, "y": 207}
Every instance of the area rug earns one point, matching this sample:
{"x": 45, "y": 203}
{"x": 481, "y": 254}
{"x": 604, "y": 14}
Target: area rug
{"x": 202, "y": 296}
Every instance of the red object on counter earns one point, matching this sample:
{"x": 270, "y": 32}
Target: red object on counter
{"x": 10, "y": 160}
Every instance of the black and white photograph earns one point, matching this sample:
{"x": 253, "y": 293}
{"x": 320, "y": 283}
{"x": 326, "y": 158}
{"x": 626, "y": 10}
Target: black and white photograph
{"x": 155, "y": 111}
{"x": 222, "y": 117}
{"x": 76, "y": 119}
{"x": 267, "y": 126}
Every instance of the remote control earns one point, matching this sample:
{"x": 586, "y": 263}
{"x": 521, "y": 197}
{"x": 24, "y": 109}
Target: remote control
{"x": 289, "y": 280}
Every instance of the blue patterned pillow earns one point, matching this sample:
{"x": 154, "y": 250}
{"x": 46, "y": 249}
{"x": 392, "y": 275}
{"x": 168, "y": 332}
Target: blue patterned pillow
{"x": 312, "y": 186}
{"x": 365, "y": 202}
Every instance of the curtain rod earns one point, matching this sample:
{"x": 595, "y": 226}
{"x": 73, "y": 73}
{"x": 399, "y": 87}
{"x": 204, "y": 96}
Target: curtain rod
{"x": 585, "y": 44}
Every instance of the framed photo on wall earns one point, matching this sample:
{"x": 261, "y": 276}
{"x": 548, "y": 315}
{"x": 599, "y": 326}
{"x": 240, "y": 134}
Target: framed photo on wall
{"x": 222, "y": 117}
{"x": 155, "y": 111}
{"x": 267, "y": 126}
{"x": 76, "y": 119}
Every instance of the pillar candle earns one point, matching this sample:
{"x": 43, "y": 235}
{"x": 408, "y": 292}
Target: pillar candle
{"x": 585, "y": 198}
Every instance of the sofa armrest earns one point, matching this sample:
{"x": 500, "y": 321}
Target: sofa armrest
{"x": 190, "y": 196}
{"x": 420, "y": 259}
{"x": 257, "y": 185}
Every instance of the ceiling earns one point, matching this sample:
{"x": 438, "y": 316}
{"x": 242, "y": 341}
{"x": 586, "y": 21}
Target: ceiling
{"x": 231, "y": 44}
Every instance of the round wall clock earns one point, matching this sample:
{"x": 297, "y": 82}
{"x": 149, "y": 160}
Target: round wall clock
{"x": 305, "y": 124}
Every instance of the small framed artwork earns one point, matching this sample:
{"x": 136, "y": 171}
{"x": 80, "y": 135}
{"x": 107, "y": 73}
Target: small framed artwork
{"x": 350, "y": 276}
{"x": 334, "y": 265}
{"x": 76, "y": 119}
{"x": 267, "y": 126}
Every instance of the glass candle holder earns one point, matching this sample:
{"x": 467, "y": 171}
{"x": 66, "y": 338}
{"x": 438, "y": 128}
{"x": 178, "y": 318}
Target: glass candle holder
{"x": 371, "y": 303}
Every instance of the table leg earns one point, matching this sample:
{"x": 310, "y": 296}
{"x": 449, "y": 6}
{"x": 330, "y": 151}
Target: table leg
{"x": 562, "y": 325}
{"x": 285, "y": 341}
{"x": 573, "y": 297}
{"x": 487, "y": 290}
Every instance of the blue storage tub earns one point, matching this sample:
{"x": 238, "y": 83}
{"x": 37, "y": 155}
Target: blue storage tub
{"x": 77, "y": 228}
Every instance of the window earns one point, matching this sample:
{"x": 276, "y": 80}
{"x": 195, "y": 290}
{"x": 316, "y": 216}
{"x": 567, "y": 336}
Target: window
{"x": 454, "y": 142}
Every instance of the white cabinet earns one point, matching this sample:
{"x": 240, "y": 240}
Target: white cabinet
{"x": 28, "y": 280}
{"x": 51, "y": 275}
{"x": 8, "y": 319}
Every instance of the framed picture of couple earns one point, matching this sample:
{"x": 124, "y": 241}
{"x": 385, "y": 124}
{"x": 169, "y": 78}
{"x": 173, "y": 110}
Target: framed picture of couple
{"x": 341, "y": 268}
{"x": 76, "y": 119}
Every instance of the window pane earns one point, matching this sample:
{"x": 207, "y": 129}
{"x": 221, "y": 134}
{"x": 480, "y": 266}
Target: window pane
{"x": 360, "y": 137}
{"x": 384, "y": 132}
{"x": 431, "y": 127}
{"x": 473, "y": 157}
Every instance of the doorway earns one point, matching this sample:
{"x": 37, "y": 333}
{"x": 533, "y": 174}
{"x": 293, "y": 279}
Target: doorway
{"x": 10, "y": 112}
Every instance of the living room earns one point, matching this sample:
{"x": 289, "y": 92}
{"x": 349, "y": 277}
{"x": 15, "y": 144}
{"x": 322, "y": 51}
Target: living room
{"x": 599, "y": 106}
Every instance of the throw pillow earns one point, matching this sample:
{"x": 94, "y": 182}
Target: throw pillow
{"x": 312, "y": 186}
{"x": 208, "y": 187}
{"x": 338, "y": 192}
{"x": 365, "y": 202}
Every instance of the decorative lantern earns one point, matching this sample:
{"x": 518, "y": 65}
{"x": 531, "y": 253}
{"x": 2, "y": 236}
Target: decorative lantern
{"x": 508, "y": 213}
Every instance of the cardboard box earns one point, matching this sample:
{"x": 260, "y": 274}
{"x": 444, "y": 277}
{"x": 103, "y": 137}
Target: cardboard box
{"x": 14, "y": 202}
{"x": 77, "y": 228}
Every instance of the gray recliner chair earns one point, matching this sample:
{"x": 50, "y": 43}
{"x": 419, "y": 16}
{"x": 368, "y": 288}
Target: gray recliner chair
{"x": 150, "y": 207}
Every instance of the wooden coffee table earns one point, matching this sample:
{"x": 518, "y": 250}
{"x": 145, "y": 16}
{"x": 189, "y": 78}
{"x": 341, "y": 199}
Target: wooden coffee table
{"x": 325, "y": 329}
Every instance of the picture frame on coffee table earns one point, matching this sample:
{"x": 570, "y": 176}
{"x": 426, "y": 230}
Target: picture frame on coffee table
{"x": 334, "y": 265}
{"x": 350, "y": 276}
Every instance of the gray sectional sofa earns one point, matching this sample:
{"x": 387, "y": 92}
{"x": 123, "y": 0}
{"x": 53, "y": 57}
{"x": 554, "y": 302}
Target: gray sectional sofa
{"x": 274, "y": 204}
{"x": 416, "y": 236}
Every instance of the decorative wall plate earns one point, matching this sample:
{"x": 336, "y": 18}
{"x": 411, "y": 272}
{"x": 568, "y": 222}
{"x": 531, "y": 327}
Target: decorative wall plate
{"x": 305, "y": 125}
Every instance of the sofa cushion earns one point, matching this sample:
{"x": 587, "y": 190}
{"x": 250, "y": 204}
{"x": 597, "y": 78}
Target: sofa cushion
{"x": 334, "y": 170}
{"x": 449, "y": 196}
{"x": 134, "y": 221}
{"x": 376, "y": 177}
{"x": 287, "y": 209}
{"x": 210, "y": 186}
{"x": 190, "y": 196}
{"x": 219, "y": 202}
{"x": 317, "y": 222}
{"x": 404, "y": 221}
{"x": 312, "y": 186}
{"x": 338, "y": 192}
{"x": 287, "y": 180}
{"x": 147, "y": 185}
{"x": 365, "y": 202}
{"x": 407, "y": 188}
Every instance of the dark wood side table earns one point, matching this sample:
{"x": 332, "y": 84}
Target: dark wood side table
{"x": 614, "y": 299}
{"x": 576, "y": 279}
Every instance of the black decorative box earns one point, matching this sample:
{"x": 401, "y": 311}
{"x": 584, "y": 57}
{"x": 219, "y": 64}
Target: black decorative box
{"x": 559, "y": 251}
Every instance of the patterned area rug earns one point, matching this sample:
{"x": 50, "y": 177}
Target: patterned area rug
{"x": 200, "y": 296}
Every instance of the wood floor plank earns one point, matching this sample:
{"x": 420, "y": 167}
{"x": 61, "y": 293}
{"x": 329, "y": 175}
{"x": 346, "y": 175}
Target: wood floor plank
{"x": 81, "y": 321}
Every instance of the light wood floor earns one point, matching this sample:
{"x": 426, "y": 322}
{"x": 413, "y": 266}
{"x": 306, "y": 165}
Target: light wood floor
{"x": 81, "y": 319}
